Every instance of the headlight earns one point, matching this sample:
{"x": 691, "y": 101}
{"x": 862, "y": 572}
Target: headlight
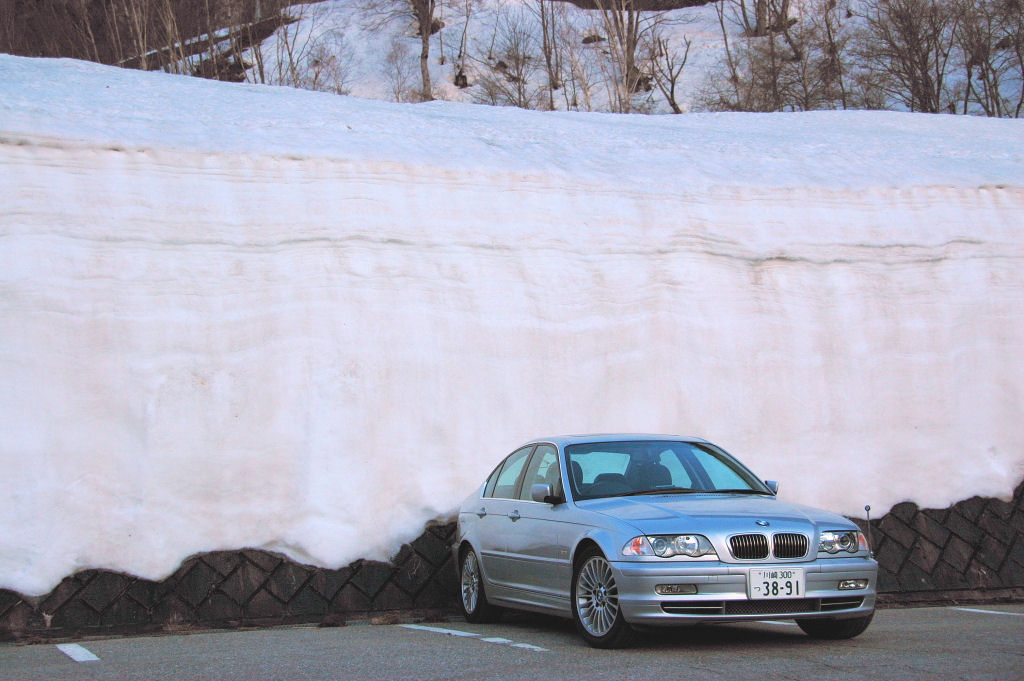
{"x": 850, "y": 541}
{"x": 669, "y": 545}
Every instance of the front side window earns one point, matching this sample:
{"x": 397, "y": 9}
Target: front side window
{"x": 543, "y": 470}
{"x": 502, "y": 483}
{"x": 651, "y": 467}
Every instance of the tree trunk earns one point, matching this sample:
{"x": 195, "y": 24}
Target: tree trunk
{"x": 427, "y": 94}
{"x": 424, "y": 11}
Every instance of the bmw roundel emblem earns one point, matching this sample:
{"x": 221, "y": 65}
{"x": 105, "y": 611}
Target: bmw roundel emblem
{"x": 763, "y": 523}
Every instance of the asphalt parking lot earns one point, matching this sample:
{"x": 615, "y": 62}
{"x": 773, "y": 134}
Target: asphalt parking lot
{"x": 969, "y": 642}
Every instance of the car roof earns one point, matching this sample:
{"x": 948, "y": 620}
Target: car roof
{"x": 564, "y": 440}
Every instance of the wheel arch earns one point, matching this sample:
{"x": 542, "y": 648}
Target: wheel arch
{"x": 464, "y": 547}
{"x": 608, "y": 541}
{"x": 582, "y": 547}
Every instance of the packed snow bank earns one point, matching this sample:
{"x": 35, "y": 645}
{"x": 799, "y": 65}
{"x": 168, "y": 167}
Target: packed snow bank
{"x": 242, "y": 316}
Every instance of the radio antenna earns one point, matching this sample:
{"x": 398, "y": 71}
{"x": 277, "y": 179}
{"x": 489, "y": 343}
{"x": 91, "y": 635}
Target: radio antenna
{"x": 871, "y": 551}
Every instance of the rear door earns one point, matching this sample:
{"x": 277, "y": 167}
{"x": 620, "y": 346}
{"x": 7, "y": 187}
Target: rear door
{"x": 493, "y": 523}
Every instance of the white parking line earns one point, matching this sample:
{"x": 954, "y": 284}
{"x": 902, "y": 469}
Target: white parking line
{"x": 991, "y": 612}
{"x": 528, "y": 646}
{"x": 468, "y": 634}
{"x": 438, "y": 630}
{"x": 77, "y": 652}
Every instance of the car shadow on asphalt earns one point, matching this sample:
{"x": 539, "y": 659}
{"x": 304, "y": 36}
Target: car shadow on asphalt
{"x": 719, "y": 637}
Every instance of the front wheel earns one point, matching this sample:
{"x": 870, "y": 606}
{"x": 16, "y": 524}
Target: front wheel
{"x": 595, "y": 603}
{"x": 473, "y": 597}
{"x": 835, "y": 629}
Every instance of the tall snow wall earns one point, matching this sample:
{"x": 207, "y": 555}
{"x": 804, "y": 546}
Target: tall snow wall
{"x": 249, "y": 317}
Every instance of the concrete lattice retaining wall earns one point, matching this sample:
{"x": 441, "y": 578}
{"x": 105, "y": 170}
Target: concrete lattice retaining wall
{"x": 973, "y": 550}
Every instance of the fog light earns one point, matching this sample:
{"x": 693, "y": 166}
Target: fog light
{"x": 853, "y": 584}
{"x": 675, "y": 589}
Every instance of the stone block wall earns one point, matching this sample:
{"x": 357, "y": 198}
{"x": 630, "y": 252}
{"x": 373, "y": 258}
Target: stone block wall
{"x": 240, "y": 589}
{"x": 973, "y": 550}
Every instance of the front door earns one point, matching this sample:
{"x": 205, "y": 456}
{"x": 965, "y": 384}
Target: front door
{"x": 536, "y": 537}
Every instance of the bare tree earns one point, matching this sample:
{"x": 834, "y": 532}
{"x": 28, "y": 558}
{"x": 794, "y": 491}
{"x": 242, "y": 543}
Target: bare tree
{"x": 581, "y": 73}
{"x": 750, "y": 77}
{"x": 990, "y": 36}
{"x": 11, "y": 30}
{"x": 761, "y": 17}
{"x": 512, "y": 77}
{"x": 907, "y": 46}
{"x": 178, "y": 35}
{"x": 624, "y": 24}
{"x": 814, "y": 72}
{"x": 85, "y": 23}
{"x": 176, "y": 60}
{"x": 382, "y": 12}
{"x": 115, "y": 40}
{"x": 330, "y": 63}
{"x": 1012, "y": 27}
{"x": 459, "y": 60}
{"x": 48, "y": 28}
{"x": 290, "y": 54}
{"x": 802, "y": 63}
{"x": 833, "y": 43}
{"x": 668, "y": 66}
{"x": 551, "y": 15}
{"x": 137, "y": 14}
{"x": 212, "y": 42}
{"x": 399, "y": 70}
{"x": 313, "y": 53}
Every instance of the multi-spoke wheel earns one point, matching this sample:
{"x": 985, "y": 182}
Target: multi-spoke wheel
{"x": 474, "y": 600}
{"x": 595, "y": 603}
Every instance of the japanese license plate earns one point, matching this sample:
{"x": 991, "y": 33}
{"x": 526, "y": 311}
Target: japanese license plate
{"x": 776, "y": 583}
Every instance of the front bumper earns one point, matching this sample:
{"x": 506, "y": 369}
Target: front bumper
{"x": 722, "y": 591}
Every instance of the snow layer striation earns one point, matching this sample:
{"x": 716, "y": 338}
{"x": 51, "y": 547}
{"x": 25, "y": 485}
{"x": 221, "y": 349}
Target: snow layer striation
{"x": 240, "y": 316}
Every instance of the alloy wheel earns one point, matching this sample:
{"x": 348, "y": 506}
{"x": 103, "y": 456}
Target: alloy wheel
{"x": 470, "y": 582}
{"x": 597, "y": 597}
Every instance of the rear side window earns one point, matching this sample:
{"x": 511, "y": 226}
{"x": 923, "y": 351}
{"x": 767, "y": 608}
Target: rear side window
{"x": 502, "y": 483}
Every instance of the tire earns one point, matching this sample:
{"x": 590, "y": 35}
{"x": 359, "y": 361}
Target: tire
{"x": 472, "y": 597}
{"x": 595, "y": 603}
{"x": 835, "y": 629}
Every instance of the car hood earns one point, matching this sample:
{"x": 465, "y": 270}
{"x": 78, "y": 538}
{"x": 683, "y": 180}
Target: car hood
{"x": 702, "y": 513}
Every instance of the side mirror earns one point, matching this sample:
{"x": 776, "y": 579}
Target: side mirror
{"x": 544, "y": 494}
{"x": 772, "y": 485}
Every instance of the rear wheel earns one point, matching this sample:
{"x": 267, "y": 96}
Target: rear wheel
{"x": 595, "y": 603}
{"x": 473, "y": 598}
{"x": 835, "y": 629}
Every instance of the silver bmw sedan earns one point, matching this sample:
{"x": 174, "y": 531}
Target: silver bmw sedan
{"x": 622, "y": 532}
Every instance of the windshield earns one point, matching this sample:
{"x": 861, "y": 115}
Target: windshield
{"x": 609, "y": 469}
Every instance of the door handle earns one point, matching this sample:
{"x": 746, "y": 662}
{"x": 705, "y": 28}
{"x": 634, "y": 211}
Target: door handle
{"x": 481, "y": 513}
{"x": 514, "y": 515}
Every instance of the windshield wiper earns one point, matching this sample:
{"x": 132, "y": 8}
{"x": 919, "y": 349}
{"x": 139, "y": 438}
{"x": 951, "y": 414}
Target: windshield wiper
{"x": 631, "y": 493}
{"x": 674, "y": 490}
{"x": 662, "y": 490}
